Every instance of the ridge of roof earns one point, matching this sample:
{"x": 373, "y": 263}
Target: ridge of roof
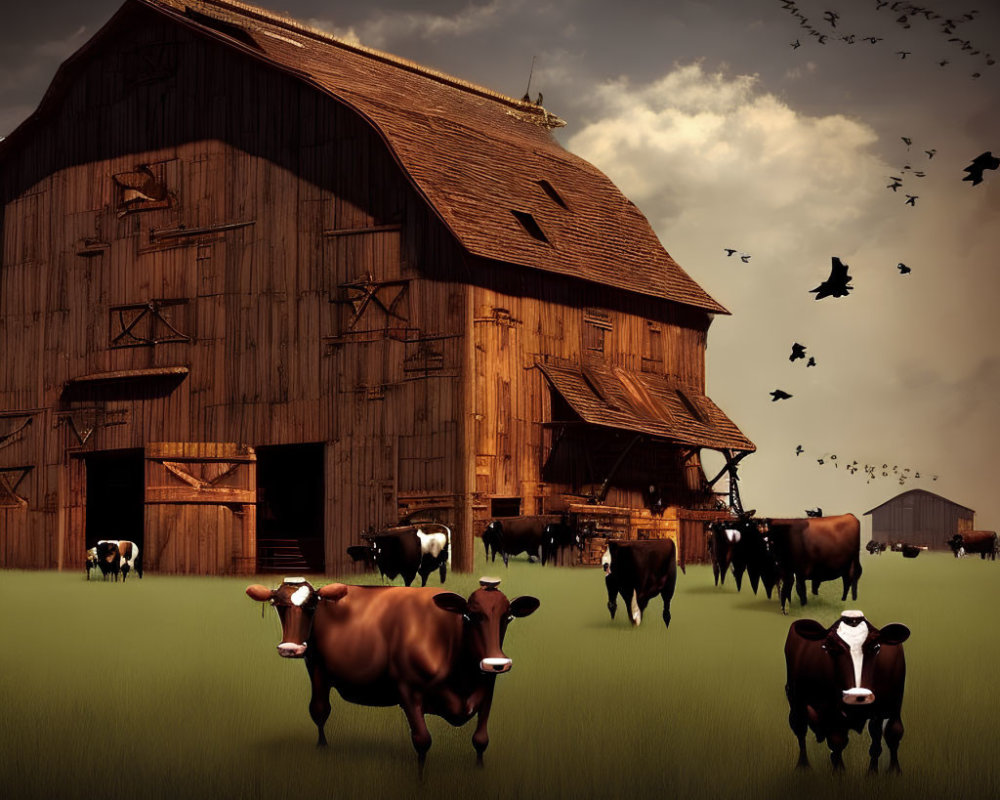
{"x": 246, "y": 10}
{"x": 913, "y": 491}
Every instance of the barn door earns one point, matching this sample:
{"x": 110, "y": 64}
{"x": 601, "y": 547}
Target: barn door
{"x": 200, "y": 514}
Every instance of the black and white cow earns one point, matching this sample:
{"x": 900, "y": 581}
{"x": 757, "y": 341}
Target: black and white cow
{"x": 407, "y": 551}
{"x": 639, "y": 570}
{"x": 114, "y": 557}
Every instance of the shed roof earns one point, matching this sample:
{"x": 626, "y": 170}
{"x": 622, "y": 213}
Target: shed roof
{"x": 614, "y": 397}
{"x": 919, "y": 491}
{"x": 486, "y": 163}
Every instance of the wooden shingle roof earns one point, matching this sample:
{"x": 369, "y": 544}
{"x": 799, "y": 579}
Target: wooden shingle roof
{"x": 899, "y": 498}
{"x": 613, "y": 397}
{"x": 487, "y": 164}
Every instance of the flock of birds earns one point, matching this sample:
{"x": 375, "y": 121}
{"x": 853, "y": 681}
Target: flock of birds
{"x": 827, "y": 30}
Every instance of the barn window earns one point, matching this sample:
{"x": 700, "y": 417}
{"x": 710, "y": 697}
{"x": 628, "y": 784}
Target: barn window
{"x": 691, "y": 408}
{"x": 530, "y": 225}
{"x": 550, "y": 190}
{"x": 652, "y": 357}
{"x": 505, "y": 507}
{"x": 596, "y": 324}
{"x": 141, "y": 189}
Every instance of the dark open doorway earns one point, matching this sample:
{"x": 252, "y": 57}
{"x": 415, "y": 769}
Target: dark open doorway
{"x": 290, "y": 495}
{"x": 115, "y": 486}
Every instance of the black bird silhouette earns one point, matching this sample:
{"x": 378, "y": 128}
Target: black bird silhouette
{"x": 873, "y": 39}
{"x": 729, "y": 250}
{"x": 831, "y": 17}
{"x": 903, "y": 269}
{"x": 837, "y": 285}
{"x": 798, "y": 450}
{"x": 902, "y": 54}
{"x": 795, "y": 44}
{"x": 896, "y": 183}
{"x": 811, "y": 362}
{"x": 778, "y": 394}
{"x": 981, "y": 162}
{"x": 911, "y": 200}
{"x": 907, "y": 140}
{"x": 798, "y": 351}
{"x": 745, "y": 258}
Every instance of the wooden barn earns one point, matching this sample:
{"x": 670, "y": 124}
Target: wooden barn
{"x": 920, "y": 517}
{"x": 262, "y": 290}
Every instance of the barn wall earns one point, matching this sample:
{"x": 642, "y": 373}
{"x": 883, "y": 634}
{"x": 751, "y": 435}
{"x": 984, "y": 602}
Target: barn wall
{"x": 186, "y": 207}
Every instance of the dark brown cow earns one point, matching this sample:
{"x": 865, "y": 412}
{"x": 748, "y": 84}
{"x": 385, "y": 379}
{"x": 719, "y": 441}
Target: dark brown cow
{"x": 638, "y": 571}
{"x": 511, "y": 536}
{"x": 428, "y": 651}
{"x": 408, "y": 551}
{"x": 844, "y": 676}
{"x": 982, "y": 542}
{"x": 814, "y": 549}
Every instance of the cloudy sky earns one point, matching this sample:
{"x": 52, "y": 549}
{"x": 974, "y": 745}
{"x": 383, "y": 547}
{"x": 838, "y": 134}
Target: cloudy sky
{"x": 727, "y": 135}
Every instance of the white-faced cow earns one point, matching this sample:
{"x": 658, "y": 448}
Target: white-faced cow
{"x": 842, "y": 677}
{"x": 638, "y": 571}
{"x": 982, "y": 542}
{"x": 408, "y": 551}
{"x": 428, "y": 651}
{"x": 813, "y": 549}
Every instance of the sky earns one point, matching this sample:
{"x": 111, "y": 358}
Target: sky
{"x": 774, "y": 129}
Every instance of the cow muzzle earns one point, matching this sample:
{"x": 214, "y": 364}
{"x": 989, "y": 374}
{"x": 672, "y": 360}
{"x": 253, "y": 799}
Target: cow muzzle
{"x": 495, "y": 665}
{"x": 858, "y": 697}
{"x": 291, "y": 650}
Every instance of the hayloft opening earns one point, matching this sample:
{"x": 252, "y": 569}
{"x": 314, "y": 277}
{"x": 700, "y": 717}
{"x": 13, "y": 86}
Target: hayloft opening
{"x": 505, "y": 507}
{"x": 290, "y": 500}
{"x": 115, "y": 495}
{"x": 550, "y": 190}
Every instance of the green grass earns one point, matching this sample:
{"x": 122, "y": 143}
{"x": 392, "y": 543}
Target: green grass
{"x": 170, "y": 687}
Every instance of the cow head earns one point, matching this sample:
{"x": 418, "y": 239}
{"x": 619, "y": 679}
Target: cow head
{"x": 295, "y": 601}
{"x": 852, "y": 644}
{"x": 956, "y": 543}
{"x": 486, "y": 615}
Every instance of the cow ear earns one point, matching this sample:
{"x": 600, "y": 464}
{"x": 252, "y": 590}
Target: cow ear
{"x": 449, "y": 601}
{"x": 809, "y": 629}
{"x": 893, "y": 633}
{"x": 523, "y": 606}
{"x": 258, "y": 592}
{"x": 332, "y": 591}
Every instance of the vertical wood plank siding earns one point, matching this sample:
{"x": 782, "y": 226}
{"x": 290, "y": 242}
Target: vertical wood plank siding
{"x": 921, "y": 518}
{"x": 281, "y": 205}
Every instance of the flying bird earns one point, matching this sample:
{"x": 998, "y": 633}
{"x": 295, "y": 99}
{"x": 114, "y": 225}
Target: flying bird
{"x": 745, "y": 258}
{"x": 799, "y": 450}
{"x": 798, "y": 351}
{"x": 811, "y": 362}
{"x": 831, "y": 17}
{"x": 778, "y": 394}
{"x": 795, "y": 44}
{"x": 902, "y": 54}
{"x": 896, "y": 183}
{"x": 873, "y": 39}
{"x": 903, "y": 269}
{"x": 981, "y": 162}
{"x": 837, "y": 285}
{"x": 907, "y": 140}
{"x": 911, "y": 200}
{"x": 729, "y": 250}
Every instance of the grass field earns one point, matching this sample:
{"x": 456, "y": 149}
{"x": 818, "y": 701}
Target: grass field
{"x": 170, "y": 687}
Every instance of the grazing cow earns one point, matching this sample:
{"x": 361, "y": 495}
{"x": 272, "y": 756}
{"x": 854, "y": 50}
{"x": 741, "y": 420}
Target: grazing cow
{"x": 129, "y": 558}
{"x": 511, "y": 536}
{"x": 115, "y": 556}
{"x": 814, "y": 549}
{"x": 912, "y": 550}
{"x": 637, "y": 571}
{"x": 844, "y": 676}
{"x": 875, "y": 548}
{"x": 407, "y": 551}
{"x": 426, "y": 650}
{"x": 982, "y": 542}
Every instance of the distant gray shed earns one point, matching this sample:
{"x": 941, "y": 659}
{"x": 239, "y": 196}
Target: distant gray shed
{"x": 920, "y": 517}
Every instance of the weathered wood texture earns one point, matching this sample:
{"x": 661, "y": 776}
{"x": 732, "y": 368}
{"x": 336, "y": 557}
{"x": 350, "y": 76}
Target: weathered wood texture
{"x": 921, "y": 518}
{"x": 198, "y": 248}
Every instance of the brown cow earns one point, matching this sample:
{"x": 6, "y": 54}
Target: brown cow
{"x": 428, "y": 651}
{"x": 814, "y": 549}
{"x": 982, "y": 542}
{"x": 638, "y": 571}
{"x": 841, "y": 677}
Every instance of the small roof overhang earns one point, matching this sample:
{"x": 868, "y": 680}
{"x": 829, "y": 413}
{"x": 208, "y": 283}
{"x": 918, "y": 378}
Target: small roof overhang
{"x": 647, "y": 403}
{"x": 126, "y": 376}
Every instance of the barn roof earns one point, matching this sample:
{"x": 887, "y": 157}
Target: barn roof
{"x": 614, "y": 397}
{"x": 487, "y": 164}
{"x": 901, "y": 495}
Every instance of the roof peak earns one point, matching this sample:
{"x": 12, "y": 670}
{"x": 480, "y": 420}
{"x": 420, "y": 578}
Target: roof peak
{"x": 534, "y": 112}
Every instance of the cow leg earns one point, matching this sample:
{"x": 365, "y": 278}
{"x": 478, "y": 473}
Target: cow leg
{"x": 893, "y": 736}
{"x": 785, "y": 593}
{"x": 481, "y": 737}
{"x": 815, "y": 586}
{"x": 837, "y": 741}
{"x": 319, "y": 703}
{"x": 612, "y": 588}
{"x": 412, "y": 704}
{"x": 875, "y": 731}
{"x": 855, "y": 577}
{"x": 636, "y": 607}
{"x": 798, "y": 723}
{"x": 408, "y": 577}
{"x": 800, "y": 588}
{"x": 443, "y": 570}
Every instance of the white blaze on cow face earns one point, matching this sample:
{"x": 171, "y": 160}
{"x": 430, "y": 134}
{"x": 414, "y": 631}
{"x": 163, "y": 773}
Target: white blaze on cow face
{"x": 732, "y": 535}
{"x": 854, "y": 637}
{"x": 300, "y": 595}
{"x": 606, "y": 560}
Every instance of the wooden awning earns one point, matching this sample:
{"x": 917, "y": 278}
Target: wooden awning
{"x": 646, "y": 403}
{"x": 127, "y": 375}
